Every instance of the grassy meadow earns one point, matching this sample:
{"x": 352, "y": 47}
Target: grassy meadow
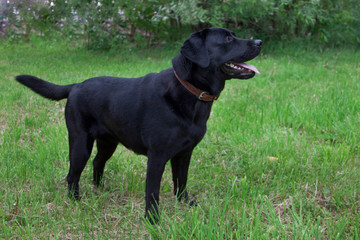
{"x": 280, "y": 160}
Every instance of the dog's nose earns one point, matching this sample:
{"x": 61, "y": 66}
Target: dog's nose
{"x": 258, "y": 43}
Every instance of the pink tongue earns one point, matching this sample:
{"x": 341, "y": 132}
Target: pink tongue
{"x": 250, "y": 67}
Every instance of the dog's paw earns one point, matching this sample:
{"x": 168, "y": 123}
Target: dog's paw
{"x": 98, "y": 184}
{"x": 192, "y": 203}
{"x": 152, "y": 218}
{"x": 74, "y": 196}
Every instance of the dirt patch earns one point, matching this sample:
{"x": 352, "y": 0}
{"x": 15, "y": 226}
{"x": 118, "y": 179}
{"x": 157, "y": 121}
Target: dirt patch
{"x": 316, "y": 195}
{"x": 3, "y": 127}
{"x": 282, "y": 210}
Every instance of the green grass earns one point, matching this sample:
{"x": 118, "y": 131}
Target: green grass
{"x": 280, "y": 159}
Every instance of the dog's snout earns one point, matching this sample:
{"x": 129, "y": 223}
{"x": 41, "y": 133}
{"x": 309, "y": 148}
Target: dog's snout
{"x": 258, "y": 43}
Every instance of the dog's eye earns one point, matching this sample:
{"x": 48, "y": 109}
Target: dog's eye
{"x": 228, "y": 39}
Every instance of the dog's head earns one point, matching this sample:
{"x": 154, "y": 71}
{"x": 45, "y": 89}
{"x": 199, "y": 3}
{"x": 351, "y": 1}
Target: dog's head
{"x": 220, "y": 51}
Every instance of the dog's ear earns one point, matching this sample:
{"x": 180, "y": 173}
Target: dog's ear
{"x": 195, "y": 50}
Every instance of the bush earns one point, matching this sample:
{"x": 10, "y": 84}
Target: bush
{"x": 105, "y": 23}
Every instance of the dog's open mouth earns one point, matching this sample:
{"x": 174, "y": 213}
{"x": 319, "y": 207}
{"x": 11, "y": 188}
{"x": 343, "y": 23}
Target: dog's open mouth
{"x": 241, "y": 70}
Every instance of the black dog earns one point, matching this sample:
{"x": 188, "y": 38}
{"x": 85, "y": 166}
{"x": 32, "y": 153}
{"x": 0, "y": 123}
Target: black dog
{"x": 161, "y": 115}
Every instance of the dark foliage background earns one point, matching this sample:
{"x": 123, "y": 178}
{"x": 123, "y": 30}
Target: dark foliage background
{"x": 104, "y": 24}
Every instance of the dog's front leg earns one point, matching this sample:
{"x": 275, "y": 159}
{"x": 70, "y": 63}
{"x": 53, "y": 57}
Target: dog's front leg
{"x": 180, "y": 167}
{"x": 155, "y": 170}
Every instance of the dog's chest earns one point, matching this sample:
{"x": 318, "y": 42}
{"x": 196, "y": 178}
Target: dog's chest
{"x": 197, "y": 128}
{"x": 194, "y": 133}
{"x": 197, "y": 134}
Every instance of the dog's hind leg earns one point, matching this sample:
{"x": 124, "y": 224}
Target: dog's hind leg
{"x": 105, "y": 151}
{"x": 80, "y": 149}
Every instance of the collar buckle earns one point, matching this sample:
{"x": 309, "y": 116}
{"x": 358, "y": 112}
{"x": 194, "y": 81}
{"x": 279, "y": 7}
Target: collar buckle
{"x": 202, "y": 95}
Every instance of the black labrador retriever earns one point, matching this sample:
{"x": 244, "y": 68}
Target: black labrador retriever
{"x": 160, "y": 115}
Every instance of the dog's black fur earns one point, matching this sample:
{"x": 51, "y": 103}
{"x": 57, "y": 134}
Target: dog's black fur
{"x": 153, "y": 115}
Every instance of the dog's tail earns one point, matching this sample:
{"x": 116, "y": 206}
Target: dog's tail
{"x": 45, "y": 89}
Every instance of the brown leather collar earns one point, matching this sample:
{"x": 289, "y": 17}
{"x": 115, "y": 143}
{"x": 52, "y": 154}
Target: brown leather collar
{"x": 200, "y": 94}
